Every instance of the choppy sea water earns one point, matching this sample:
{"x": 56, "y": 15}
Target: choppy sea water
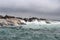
{"x": 31, "y": 32}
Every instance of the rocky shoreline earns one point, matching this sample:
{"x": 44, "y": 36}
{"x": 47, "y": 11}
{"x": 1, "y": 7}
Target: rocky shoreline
{"x": 16, "y": 21}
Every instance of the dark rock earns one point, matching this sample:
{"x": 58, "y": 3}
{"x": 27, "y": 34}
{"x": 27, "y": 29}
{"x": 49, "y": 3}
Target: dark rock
{"x": 1, "y": 16}
{"x": 42, "y": 19}
{"x": 6, "y": 16}
{"x": 19, "y": 18}
{"x": 33, "y": 18}
{"x": 1, "y": 24}
{"x": 47, "y": 22}
{"x": 26, "y": 19}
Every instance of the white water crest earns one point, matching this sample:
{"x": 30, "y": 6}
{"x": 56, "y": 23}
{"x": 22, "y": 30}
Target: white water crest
{"x": 42, "y": 24}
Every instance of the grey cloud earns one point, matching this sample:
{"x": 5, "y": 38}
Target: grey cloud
{"x": 39, "y": 8}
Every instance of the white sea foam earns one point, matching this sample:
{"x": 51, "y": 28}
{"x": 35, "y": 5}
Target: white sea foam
{"x": 41, "y": 24}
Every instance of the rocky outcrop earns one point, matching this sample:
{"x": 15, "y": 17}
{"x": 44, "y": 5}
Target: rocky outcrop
{"x": 43, "y": 19}
{"x": 1, "y": 16}
{"x": 11, "y": 22}
{"x": 16, "y": 21}
{"x": 6, "y": 16}
{"x": 31, "y": 19}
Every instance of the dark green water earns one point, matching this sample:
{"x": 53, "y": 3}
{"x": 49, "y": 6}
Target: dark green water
{"x": 30, "y": 34}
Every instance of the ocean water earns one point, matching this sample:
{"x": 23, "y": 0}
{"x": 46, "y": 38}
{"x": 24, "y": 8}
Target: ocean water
{"x": 31, "y": 32}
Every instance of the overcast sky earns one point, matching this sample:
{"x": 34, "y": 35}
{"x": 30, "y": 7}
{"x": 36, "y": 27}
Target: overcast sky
{"x": 27, "y": 8}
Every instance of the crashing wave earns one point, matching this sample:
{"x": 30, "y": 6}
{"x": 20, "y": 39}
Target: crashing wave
{"x": 18, "y": 22}
{"x": 15, "y": 21}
